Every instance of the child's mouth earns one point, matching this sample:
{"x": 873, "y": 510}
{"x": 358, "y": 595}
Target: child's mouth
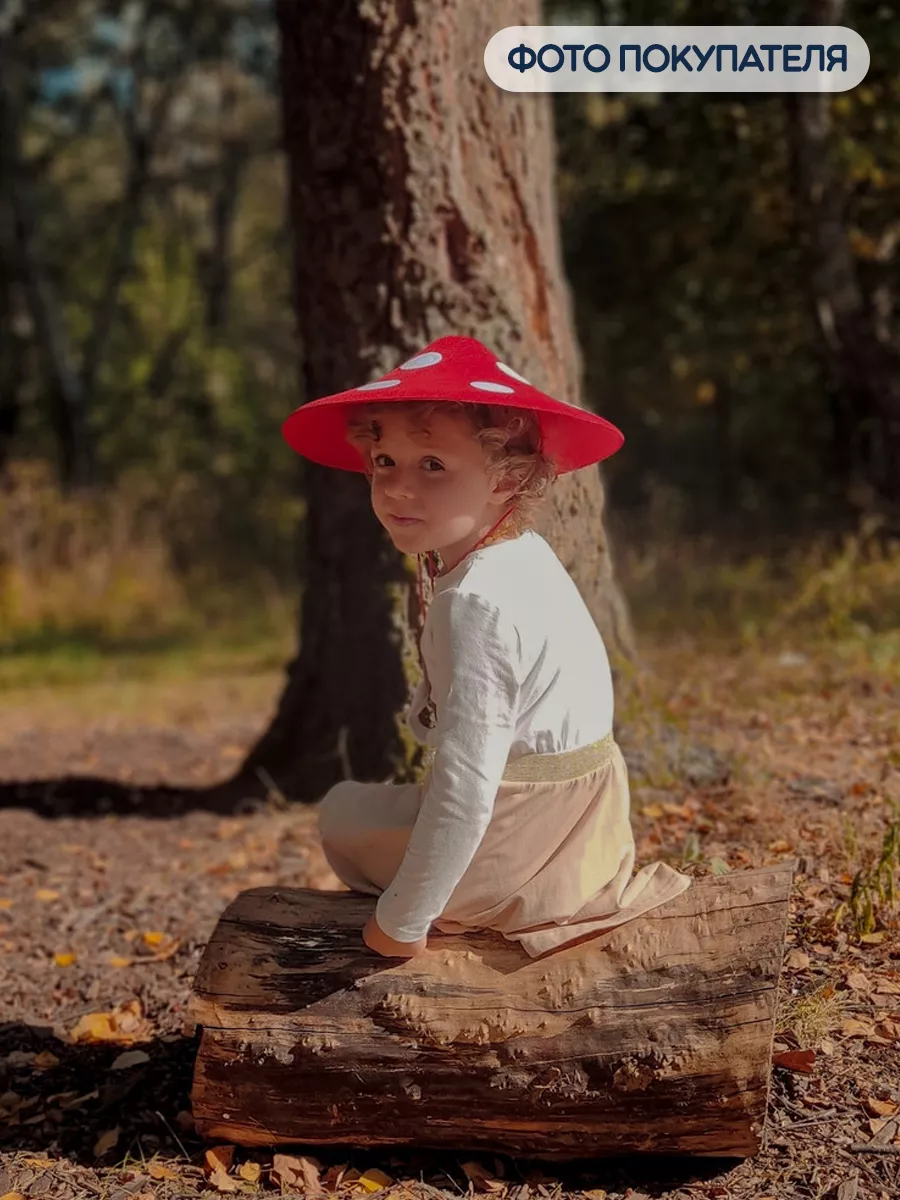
{"x": 403, "y": 520}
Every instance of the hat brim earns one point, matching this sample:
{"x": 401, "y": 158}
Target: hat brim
{"x": 571, "y": 438}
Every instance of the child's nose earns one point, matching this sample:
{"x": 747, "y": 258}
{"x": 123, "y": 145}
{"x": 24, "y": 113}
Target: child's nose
{"x": 398, "y": 485}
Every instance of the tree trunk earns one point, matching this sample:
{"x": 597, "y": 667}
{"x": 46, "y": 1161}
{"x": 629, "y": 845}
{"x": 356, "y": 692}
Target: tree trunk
{"x": 861, "y": 355}
{"x": 67, "y": 400}
{"x": 422, "y": 203}
{"x": 655, "y": 1037}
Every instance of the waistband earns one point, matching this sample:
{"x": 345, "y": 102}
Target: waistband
{"x": 568, "y": 764}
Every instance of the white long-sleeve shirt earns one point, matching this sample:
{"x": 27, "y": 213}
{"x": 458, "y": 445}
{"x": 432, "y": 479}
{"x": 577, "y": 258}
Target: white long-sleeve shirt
{"x": 517, "y": 666}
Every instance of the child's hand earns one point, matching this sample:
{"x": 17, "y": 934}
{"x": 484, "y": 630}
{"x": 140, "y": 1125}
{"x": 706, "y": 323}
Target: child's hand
{"x": 376, "y": 939}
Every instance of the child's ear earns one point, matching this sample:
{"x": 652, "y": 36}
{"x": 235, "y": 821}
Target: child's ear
{"x": 505, "y": 488}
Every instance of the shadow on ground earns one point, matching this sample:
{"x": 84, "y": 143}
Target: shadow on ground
{"x": 89, "y": 795}
{"x": 65, "y": 1107}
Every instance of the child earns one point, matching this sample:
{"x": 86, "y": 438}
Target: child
{"x": 522, "y": 822}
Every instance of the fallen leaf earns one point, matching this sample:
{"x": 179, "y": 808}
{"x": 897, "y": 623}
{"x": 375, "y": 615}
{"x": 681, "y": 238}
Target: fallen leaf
{"x": 45, "y": 1060}
{"x": 310, "y": 1173}
{"x": 123, "y": 1024}
{"x": 780, "y": 846}
{"x": 6, "y": 902}
{"x": 334, "y": 1176}
{"x": 858, "y": 982}
{"x": 222, "y": 1182}
{"x": 797, "y": 960}
{"x": 106, "y": 1141}
{"x": 874, "y": 939}
{"x": 889, "y": 1132}
{"x": 875, "y": 1039}
{"x": 880, "y": 1108}
{"x": 852, "y": 1028}
{"x": 65, "y": 959}
{"x": 596, "y": 1194}
{"x": 158, "y": 1171}
{"x": 129, "y": 1015}
{"x": 374, "y": 1180}
{"x": 875, "y": 1125}
{"x": 154, "y": 939}
{"x": 13, "y": 1196}
{"x": 129, "y": 1058}
{"x": 39, "y": 1161}
{"x": 218, "y": 1158}
{"x": 249, "y": 1171}
{"x": 93, "y": 1027}
{"x": 285, "y": 1169}
{"x": 290, "y": 1170}
{"x": 481, "y": 1179}
{"x": 46, "y": 895}
{"x": 169, "y": 949}
{"x": 796, "y": 1060}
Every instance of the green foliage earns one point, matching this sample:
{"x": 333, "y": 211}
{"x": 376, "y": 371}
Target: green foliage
{"x": 200, "y": 365}
{"x": 685, "y": 240}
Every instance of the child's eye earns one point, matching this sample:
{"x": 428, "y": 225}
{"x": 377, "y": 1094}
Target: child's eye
{"x": 433, "y": 464}
{"x": 382, "y": 460}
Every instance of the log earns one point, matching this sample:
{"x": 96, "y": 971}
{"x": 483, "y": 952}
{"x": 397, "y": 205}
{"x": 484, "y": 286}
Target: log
{"x": 655, "y": 1036}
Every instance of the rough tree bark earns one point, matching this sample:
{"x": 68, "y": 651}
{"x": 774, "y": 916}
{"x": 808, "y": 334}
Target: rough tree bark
{"x": 859, "y": 341}
{"x": 422, "y": 203}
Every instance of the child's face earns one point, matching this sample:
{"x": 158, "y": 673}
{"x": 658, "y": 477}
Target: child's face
{"x": 432, "y": 488}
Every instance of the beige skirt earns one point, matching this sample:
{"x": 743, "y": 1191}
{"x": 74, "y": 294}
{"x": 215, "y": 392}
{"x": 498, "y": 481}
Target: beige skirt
{"x": 556, "y": 861}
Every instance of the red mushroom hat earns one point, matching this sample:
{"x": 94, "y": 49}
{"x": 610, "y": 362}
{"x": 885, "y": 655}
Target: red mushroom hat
{"x": 452, "y": 368}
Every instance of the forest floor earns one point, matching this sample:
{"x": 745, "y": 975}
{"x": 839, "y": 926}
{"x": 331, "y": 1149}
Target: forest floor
{"x": 104, "y": 913}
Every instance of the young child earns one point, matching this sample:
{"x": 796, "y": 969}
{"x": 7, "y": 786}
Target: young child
{"x": 522, "y": 822}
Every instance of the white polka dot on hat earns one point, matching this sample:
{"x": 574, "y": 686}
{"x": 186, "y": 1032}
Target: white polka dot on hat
{"x": 378, "y": 384}
{"x": 429, "y": 359}
{"x": 487, "y": 385}
{"x": 509, "y": 371}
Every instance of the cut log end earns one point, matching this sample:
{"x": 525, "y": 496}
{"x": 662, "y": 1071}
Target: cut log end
{"x": 655, "y": 1036}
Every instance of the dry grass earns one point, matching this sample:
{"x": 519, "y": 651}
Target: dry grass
{"x": 126, "y": 583}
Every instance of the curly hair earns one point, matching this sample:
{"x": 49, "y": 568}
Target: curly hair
{"x": 509, "y": 437}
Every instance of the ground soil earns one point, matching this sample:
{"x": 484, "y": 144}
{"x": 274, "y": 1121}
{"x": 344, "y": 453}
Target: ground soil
{"x": 108, "y": 894}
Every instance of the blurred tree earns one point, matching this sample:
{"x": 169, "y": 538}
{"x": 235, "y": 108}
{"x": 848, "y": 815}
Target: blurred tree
{"x": 142, "y": 224}
{"x": 423, "y": 204}
{"x": 693, "y": 251}
{"x": 132, "y": 136}
{"x": 856, "y": 317}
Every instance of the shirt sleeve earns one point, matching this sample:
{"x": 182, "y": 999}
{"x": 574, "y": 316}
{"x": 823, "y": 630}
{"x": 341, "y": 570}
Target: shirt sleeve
{"x": 475, "y": 689}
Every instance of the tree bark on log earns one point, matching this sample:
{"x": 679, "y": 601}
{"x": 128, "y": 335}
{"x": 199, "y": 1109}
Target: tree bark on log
{"x": 422, "y": 203}
{"x": 652, "y": 1037}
